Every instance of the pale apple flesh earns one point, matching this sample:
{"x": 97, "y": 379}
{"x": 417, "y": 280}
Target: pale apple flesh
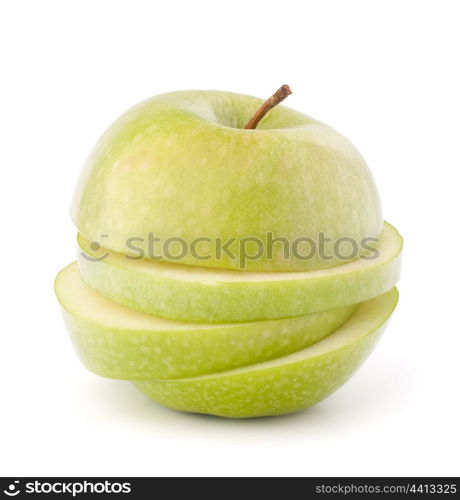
{"x": 207, "y": 295}
{"x": 180, "y": 165}
{"x": 286, "y": 384}
{"x": 117, "y": 342}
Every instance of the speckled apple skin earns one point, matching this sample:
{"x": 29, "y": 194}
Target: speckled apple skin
{"x": 287, "y": 384}
{"x": 203, "y": 295}
{"x": 182, "y": 165}
{"x": 116, "y": 342}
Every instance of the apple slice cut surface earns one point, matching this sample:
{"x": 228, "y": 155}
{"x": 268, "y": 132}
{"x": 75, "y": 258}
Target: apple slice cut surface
{"x": 198, "y": 294}
{"x": 286, "y": 384}
{"x": 115, "y": 341}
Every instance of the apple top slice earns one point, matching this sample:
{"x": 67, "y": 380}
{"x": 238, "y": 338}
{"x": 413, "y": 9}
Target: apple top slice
{"x": 182, "y": 166}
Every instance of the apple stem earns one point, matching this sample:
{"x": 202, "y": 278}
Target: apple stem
{"x": 270, "y": 103}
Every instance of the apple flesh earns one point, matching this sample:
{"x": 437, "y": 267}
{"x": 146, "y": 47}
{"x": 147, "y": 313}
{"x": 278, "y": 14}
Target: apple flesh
{"x": 117, "y": 342}
{"x": 286, "y": 384}
{"x": 180, "y": 165}
{"x": 207, "y": 295}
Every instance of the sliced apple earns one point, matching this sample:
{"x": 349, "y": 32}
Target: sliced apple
{"x": 114, "y": 341}
{"x": 286, "y": 384}
{"x": 207, "y": 295}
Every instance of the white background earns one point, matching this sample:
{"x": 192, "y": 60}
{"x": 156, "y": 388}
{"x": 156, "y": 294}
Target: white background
{"x": 384, "y": 73}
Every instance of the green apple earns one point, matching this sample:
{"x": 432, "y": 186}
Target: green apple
{"x": 114, "y": 341}
{"x": 191, "y": 293}
{"x": 285, "y": 384}
{"x": 181, "y": 166}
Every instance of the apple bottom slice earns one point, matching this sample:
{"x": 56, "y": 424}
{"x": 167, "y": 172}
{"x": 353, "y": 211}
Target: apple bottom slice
{"x": 207, "y": 295}
{"x": 286, "y": 384}
{"x": 117, "y": 342}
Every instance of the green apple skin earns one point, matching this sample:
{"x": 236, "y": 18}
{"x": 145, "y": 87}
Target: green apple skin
{"x": 181, "y": 165}
{"x": 286, "y": 384}
{"x": 114, "y": 341}
{"x": 188, "y": 293}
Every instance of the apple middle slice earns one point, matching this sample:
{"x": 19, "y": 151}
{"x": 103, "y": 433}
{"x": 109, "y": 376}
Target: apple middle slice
{"x": 207, "y": 295}
{"x": 286, "y": 384}
{"x": 115, "y": 341}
